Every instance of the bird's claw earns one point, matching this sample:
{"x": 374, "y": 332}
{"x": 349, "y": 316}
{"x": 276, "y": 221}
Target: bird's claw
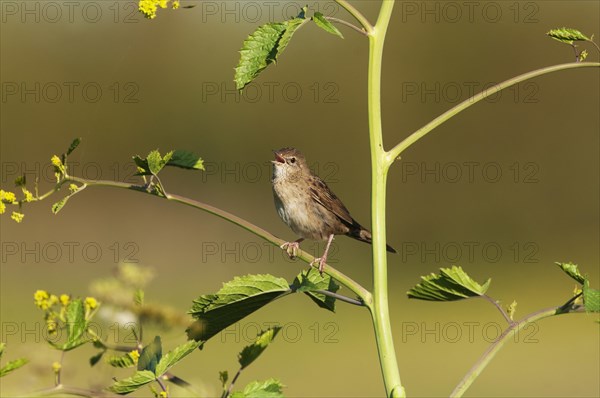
{"x": 321, "y": 261}
{"x": 291, "y": 248}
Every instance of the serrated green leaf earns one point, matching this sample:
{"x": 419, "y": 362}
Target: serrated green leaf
{"x": 186, "y": 160}
{"x": 567, "y": 35}
{"x": 234, "y": 301}
{"x": 130, "y": 384}
{"x": 76, "y": 326}
{"x": 172, "y": 357}
{"x": 150, "y": 355}
{"x": 156, "y": 162}
{"x": 591, "y": 298}
{"x": 56, "y": 207}
{"x": 327, "y": 26}
{"x": 310, "y": 280}
{"x": 253, "y": 351}
{"x": 96, "y": 358}
{"x": 271, "y": 388}
{"x": 263, "y": 48}
{"x": 12, "y": 365}
{"x": 121, "y": 361}
{"x": 73, "y": 145}
{"x": 572, "y": 270}
{"x": 451, "y": 284}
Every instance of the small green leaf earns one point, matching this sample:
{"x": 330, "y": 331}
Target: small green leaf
{"x": 96, "y": 358}
{"x": 56, "y": 207}
{"x": 223, "y": 377}
{"x": 310, "y": 280}
{"x": 327, "y": 26}
{"x": 234, "y": 301}
{"x": 121, "y": 361}
{"x": 21, "y": 181}
{"x": 263, "y": 47}
{"x": 2, "y": 347}
{"x": 73, "y": 145}
{"x": 130, "y": 384}
{"x": 567, "y": 35}
{"x": 172, "y": 357}
{"x": 591, "y": 298}
{"x": 142, "y": 164}
{"x": 451, "y": 284}
{"x": 186, "y": 160}
{"x": 157, "y": 162}
{"x": 138, "y": 297}
{"x": 253, "y": 351}
{"x": 572, "y": 270}
{"x": 76, "y": 326}
{"x": 261, "y": 389}
{"x": 12, "y": 365}
{"x": 150, "y": 355}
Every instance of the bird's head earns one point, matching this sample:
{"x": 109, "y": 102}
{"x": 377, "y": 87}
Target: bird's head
{"x": 289, "y": 164}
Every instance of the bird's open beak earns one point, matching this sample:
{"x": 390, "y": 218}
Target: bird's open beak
{"x": 278, "y": 158}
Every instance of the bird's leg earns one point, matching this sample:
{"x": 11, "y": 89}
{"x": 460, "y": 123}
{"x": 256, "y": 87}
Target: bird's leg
{"x": 291, "y": 248}
{"x": 323, "y": 259}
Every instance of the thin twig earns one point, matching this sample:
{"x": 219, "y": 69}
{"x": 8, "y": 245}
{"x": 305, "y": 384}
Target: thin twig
{"x": 341, "y": 297}
{"x": 348, "y": 24}
{"x": 499, "y": 307}
{"x": 230, "y": 388}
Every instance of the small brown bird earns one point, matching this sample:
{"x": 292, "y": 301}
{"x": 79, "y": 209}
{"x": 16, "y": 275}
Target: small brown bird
{"x": 307, "y": 205}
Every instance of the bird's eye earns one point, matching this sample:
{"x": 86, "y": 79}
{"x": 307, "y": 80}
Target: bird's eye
{"x": 292, "y": 160}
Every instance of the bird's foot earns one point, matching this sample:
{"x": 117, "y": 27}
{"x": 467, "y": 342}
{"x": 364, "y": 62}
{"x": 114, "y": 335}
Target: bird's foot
{"x": 291, "y": 248}
{"x": 321, "y": 261}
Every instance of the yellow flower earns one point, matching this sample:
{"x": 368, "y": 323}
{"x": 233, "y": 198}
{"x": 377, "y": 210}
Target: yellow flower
{"x": 52, "y": 300}
{"x": 51, "y": 326}
{"x": 91, "y": 303}
{"x": 18, "y": 217}
{"x": 40, "y": 296}
{"x": 28, "y": 195}
{"x": 64, "y": 299}
{"x": 2, "y": 207}
{"x": 73, "y": 188}
{"x": 7, "y": 197}
{"x": 163, "y": 394}
{"x": 135, "y": 355}
{"x": 163, "y": 3}
{"x": 56, "y": 366}
{"x": 176, "y": 4}
{"x": 148, "y": 8}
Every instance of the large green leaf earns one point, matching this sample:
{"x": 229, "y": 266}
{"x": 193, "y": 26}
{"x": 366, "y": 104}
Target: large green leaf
{"x": 261, "y": 389}
{"x": 591, "y": 298}
{"x": 263, "y": 47}
{"x": 310, "y": 280}
{"x": 572, "y": 270}
{"x": 236, "y": 299}
{"x": 449, "y": 285}
{"x": 130, "y": 384}
{"x": 172, "y": 357}
{"x": 253, "y": 351}
{"x": 150, "y": 355}
{"x": 119, "y": 361}
{"x": 73, "y": 145}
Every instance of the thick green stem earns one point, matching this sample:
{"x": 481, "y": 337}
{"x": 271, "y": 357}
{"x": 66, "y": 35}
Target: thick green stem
{"x": 420, "y": 133}
{"x": 514, "y": 328}
{"x": 380, "y": 308}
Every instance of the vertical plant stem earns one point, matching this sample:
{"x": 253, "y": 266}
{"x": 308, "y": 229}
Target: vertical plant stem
{"x": 380, "y": 308}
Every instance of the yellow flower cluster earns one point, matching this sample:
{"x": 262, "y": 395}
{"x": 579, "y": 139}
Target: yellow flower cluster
{"x": 6, "y": 197}
{"x": 91, "y": 303}
{"x": 44, "y": 300}
{"x": 135, "y": 355}
{"x": 149, "y": 7}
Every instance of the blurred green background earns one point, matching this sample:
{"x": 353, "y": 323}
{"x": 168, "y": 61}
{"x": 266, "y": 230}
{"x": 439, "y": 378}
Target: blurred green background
{"x": 126, "y": 85}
